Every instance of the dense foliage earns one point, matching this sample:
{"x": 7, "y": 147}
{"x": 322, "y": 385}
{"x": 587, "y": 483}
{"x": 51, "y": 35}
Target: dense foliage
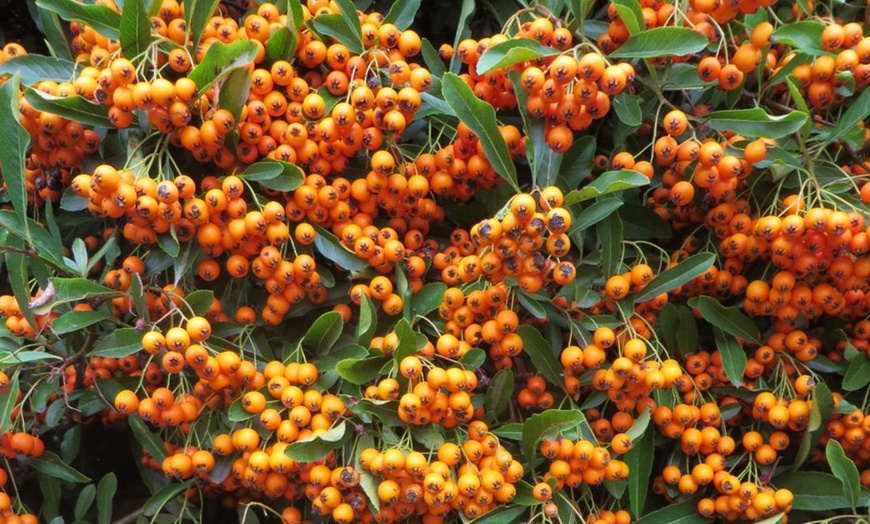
{"x": 605, "y": 264}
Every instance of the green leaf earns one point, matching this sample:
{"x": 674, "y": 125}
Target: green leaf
{"x": 672, "y": 278}
{"x": 386, "y": 411}
{"x": 756, "y": 122}
{"x": 329, "y": 246}
{"x": 631, "y": 15}
{"x": 858, "y": 373}
{"x": 160, "y": 499}
{"x": 13, "y": 146}
{"x": 733, "y": 356}
{"x": 151, "y": 442}
{"x": 428, "y": 298}
{"x": 463, "y": 30}
{"x": 200, "y": 301}
{"x": 687, "y": 336}
{"x": 729, "y": 319}
{"x": 101, "y": 18}
{"x": 817, "y": 491}
{"x": 220, "y": 60}
{"x": 44, "y": 244}
{"x": 7, "y": 404}
{"x": 549, "y": 424}
{"x": 480, "y": 117}
{"x": 319, "y": 446}
{"x": 105, "y": 494}
{"x": 577, "y": 161}
{"x": 274, "y": 174}
{"x": 805, "y": 36}
{"x": 499, "y": 392}
{"x": 594, "y": 214}
{"x": 281, "y": 45}
{"x": 662, "y": 41}
{"x": 50, "y": 464}
{"x": 402, "y": 13}
{"x": 407, "y": 344}
{"x": 237, "y": 413}
{"x": 368, "y": 321}
{"x": 119, "y": 343}
{"x": 73, "y": 108}
{"x": 857, "y": 111}
{"x": 682, "y": 513}
{"x": 321, "y": 336}
{"x": 474, "y": 358}
{"x": 845, "y": 470}
{"x": 36, "y": 68}
{"x": 23, "y": 357}
{"x": 360, "y": 371}
{"x": 511, "y": 52}
{"x": 50, "y": 489}
{"x": 76, "y": 321}
{"x": 432, "y": 59}
{"x": 605, "y": 183}
{"x": 74, "y": 289}
{"x": 19, "y": 276}
{"x": 233, "y": 96}
{"x": 85, "y": 501}
{"x": 134, "y": 30}
{"x": 627, "y": 107}
{"x": 54, "y": 34}
{"x": 610, "y": 237}
{"x": 642, "y": 223}
{"x": 501, "y": 514}
{"x": 197, "y": 14}
{"x": 542, "y": 356}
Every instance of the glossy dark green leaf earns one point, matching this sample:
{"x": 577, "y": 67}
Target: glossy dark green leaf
{"x": 407, "y": 343}
{"x": 119, "y": 343}
{"x": 756, "y": 122}
{"x": 13, "y": 146}
{"x": 432, "y": 59}
{"x": 25, "y": 356}
{"x": 101, "y": 18}
{"x": 681, "y": 274}
{"x": 134, "y": 30}
{"x": 73, "y": 289}
{"x": 627, "y": 107}
{"x": 84, "y": 501}
{"x": 233, "y": 96}
{"x": 662, "y": 41}
{"x": 323, "y": 334}
{"x": 50, "y": 489}
{"x": 480, "y": 117}
{"x": 151, "y": 442}
{"x": 687, "y": 336}
{"x": 163, "y": 497}
{"x": 220, "y": 60}
{"x": 368, "y": 321}
{"x": 315, "y": 448}
{"x": 631, "y": 15}
{"x": 729, "y": 319}
{"x": 857, "y": 110}
{"x": 610, "y": 240}
{"x": 577, "y": 161}
{"x": 499, "y": 392}
{"x": 73, "y": 108}
{"x": 685, "y": 512}
{"x": 200, "y": 301}
{"x": 274, "y": 174}
{"x": 105, "y": 494}
{"x": 8, "y": 399}
{"x": 330, "y": 247}
{"x": 51, "y": 464}
{"x": 385, "y": 411}
{"x": 511, "y": 52}
{"x": 501, "y": 514}
{"x": 845, "y": 470}
{"x": 541, "y": 354}
{"x": 549, "y": 424}
{"x": 360, "y": 371}
{"x": 45, "y": 246}
{"x": 533, "y": 304}
{"x": 54, "y": 34}
{"x": 642, "y": 223}
{"x": 73, "y": 321}
{"x": 281, "y": 45}
{"x": 474, "y": 358}
{"x": 605, "y": 183}
{"x": 18, "y": 278}
{"x": 402, "y": 13}
{"x": 594, "y": 214}
{"x": 817, "y": 491}
{"x": 197, "y": 14}
{"x": 428, "y": 298}
{"x": 733, "y": 356}
{"x": 804, "y": 36}
{"x": 857, "y": 374}
{"x": 35, "y": 68}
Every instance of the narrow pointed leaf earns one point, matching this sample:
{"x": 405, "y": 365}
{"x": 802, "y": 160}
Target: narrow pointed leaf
{"x": 681, "y": 274}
